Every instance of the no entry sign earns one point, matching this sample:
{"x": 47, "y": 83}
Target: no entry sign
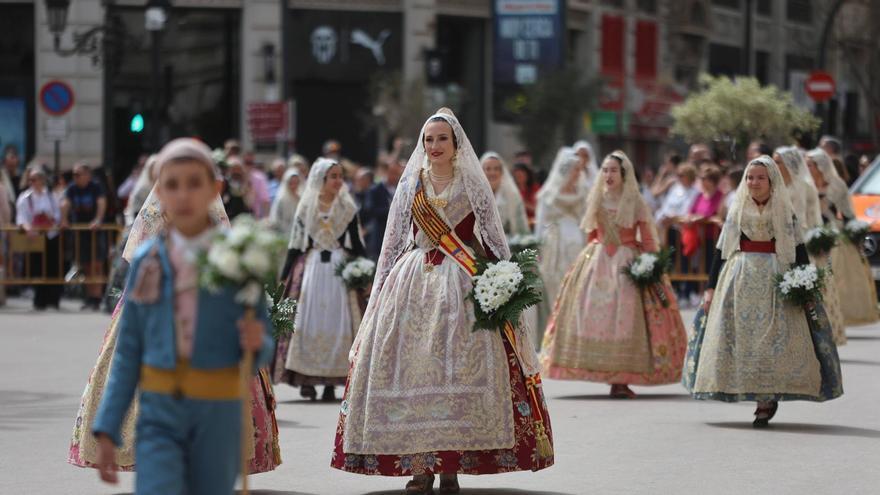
{"x": 820, "y": 86}
{"x": 56, "y": 98}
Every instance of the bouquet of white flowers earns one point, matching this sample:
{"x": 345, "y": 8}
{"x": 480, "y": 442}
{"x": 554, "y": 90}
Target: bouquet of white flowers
{"x": 821, "y": 239}
{"x": 504, "y": 289}
{"x": 856, "y": 230}
{"x": 521, "y": 242}
{"x": 646, "y": 271}
{"x": 357, "y": 273}
{"x": 801, "y": 286}
{"x": 245, "y": 256}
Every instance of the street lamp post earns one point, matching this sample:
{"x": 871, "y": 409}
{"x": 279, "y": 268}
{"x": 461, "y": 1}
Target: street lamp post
{"x": 154, "y": 22}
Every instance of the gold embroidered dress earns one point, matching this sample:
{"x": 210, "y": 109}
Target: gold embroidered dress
{"x": 426, "y": 393}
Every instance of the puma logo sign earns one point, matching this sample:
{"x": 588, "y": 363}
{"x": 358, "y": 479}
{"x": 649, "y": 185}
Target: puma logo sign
{"x": 360, "y": 37}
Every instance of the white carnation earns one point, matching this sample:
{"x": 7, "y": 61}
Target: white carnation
{"x": 238, "y": 235}
{"x": 226, "y": 261}
{"x": 256, "y": 260}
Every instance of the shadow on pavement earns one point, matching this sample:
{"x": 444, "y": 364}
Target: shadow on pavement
{"x": 860, "y": 361}
{"x": 23, "y": 409}
{"x": 810, "y": 429}
{"x": 639, "y": 397}
{"x": 482, "y": 491}
{"x": 286, "y": 423}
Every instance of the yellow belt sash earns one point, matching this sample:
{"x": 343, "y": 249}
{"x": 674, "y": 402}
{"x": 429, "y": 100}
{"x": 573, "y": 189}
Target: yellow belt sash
{"x": 192, "y": 383}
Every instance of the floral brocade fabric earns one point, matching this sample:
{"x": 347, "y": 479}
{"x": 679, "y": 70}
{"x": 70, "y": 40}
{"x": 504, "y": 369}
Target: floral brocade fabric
{"x": 522, "y": 456}
{"x": 605, "y": 329}
{"x": 855, "y": 285}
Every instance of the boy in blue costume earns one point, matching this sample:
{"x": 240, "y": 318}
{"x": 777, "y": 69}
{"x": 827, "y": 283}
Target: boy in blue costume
{"x": 181, "y": 346}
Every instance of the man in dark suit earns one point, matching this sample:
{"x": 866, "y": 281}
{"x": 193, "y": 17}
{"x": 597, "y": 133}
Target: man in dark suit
{"x": 374, "y": 210}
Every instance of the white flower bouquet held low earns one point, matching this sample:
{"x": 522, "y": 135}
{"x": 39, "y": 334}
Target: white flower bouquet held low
{"x": 357, "y": 273}
{"x": 522, "y": 242}
{"x": 801, "y": 286}
{"x": 646, "y": 271}
{"x": 820, "y": 240}
{"x": 246, "y": 256}
{"x": 504, "y": 289}
{"x": 855, "y": 231}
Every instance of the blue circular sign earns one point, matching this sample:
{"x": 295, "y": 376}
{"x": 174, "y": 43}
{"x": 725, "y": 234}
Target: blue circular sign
{"x": 56, "y": 97}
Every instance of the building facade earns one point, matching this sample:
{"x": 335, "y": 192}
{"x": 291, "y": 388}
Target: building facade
{"x": 361, "y": 72}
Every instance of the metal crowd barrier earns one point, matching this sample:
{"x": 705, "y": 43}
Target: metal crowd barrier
{"x": 26, "y": 261}
{"x": 697, "y": 270}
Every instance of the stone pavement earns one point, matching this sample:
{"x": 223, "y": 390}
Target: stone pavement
{"x": 663, "y": 442}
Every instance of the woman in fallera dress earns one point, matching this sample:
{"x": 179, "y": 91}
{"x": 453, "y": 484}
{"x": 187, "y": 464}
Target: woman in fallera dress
{"x": 507, "y": 198}
{"x": 855, "y": 284}
{"x": 265, "y": 450}
{"x": 749, "y": 344}
{"x": 604, "y": 328}
{"x": 325, "y": 234}
{"x": 562, "y": 202}
{"x": 805, "y": 202}
{"x": 427, "y": 394}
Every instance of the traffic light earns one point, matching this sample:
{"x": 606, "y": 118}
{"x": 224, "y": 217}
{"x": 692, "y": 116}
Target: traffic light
{"x": 137, "y": 123}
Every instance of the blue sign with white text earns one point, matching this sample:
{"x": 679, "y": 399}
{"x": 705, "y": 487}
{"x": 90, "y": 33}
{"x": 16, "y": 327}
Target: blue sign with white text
{"x": 529, "y": 39}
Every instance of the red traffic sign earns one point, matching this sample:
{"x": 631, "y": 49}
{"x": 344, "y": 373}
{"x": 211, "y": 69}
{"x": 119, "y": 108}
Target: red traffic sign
{"x": 268, "y": 121}
{"x": 820, "y": 86}
{"x": 56, "y": 98}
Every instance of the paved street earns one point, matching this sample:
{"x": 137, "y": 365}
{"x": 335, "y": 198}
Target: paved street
{"x": 661, "y": 443}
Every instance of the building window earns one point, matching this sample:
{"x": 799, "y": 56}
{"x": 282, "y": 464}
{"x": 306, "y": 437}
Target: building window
{"x": 698, "y": 14}
{"x": 724, "y": 60}
{"x": 762, "y": 66}
{"x": 730, "y": 4}
{"x": 764, "y": 7}
{"x": 799, "y": 11}
{"x": 648, "y": 6}
{"x": 613, "y": 3}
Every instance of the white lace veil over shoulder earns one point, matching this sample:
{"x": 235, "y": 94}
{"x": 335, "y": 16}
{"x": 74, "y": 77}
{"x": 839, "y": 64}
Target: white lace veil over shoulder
{"x": 479, "y": 193}
{"x": 510, "y": 203}
{"x": 305, "y": 223}
{"x": 837, "y": 192}
{"x": 781, "y": 215}
{"x": 150, "y": 222}
{"x": 565, "y": 160}
{"x": 592, "y": 171}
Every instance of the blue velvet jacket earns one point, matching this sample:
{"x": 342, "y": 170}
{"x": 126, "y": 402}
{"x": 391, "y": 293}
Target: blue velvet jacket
{"x": 147, "y": 337}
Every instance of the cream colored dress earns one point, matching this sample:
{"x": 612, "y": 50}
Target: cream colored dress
{"x": 755, "y": 345}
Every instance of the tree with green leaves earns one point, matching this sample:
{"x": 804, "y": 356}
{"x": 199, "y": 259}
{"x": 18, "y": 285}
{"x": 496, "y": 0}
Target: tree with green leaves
{"x": 551, "y": 111}
{"x": 737, "y": 111}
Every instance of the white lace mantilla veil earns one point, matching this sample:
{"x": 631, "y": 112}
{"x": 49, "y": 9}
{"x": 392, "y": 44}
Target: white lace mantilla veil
{"x": 837, "y": 191}
{"x": 512, "y": 199}
{"x": 479, "y": 193}
{"x": 781, "y": 215}
{"x": 630, "y": 206}
{"x": 592, "y": 171}
{"x": 341, "y": 211}
{"x": 150, "y": 222}
{"x": 558, "y": 176}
